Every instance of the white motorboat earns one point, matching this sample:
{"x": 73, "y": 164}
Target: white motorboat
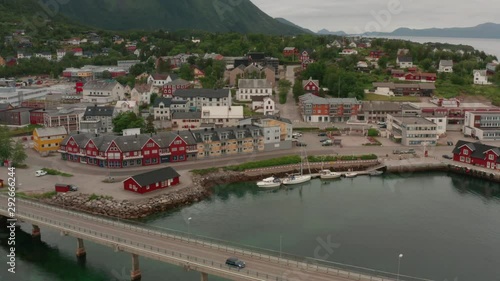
{"x": 376, "y": 173}
{"x": 350, "y": 175}
{"x": 269, "y": 182}
{"x": 296, "y": 179}
{"x": 327, "y": 174}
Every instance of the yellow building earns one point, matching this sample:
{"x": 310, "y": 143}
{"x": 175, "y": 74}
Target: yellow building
{"x": 46, "y": 140}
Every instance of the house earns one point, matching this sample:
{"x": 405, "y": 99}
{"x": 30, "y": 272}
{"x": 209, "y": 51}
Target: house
{"x": 445, "y": 66}
{"x": 483, "y": 126}
{"x": 198, "y": 73}
{"x": 480, "y": 77}
{"x": 376, "y": 111}
{"x": 60, "y": 53}
{"x": 419, "y": 77}
{"x": 186, "y": 120}
{"x": 305, "y": 55}
{"x": 411, "y": 131}
{"x": 491, "y": 68}
{"x": 221, "y": 116}
{"x": 270, "y": 74}
{"x": 98, "y": 119}
{"x": 353, "y": 45}
{"x": 362, "y": 66}
{"x": 248, "y": 88}
{"x": 348, "y": 52}
{"x": 404, "y": 62}
{"x": 290, "y": 52}
{"x": 402, "y": 89}
{"x": 103, "y": 91}
{"x": 152, "y": 180}
{"x": 477, "y": 154}
{"x": 168, "y": 90}
{"x": 126, "y": 106}
{"x": 23, "y": 55}
{"x": 158, "y": 80}
{"x": 68, "y": 118}
{"x": 11, "y": 61}
{"x": 231, "y": 76}
{"x": 311, "y": 86}
{"x": 77, "y": 52}
{"x": 47, "y": 140}
{"x": 398, "y": 73}
{"x": 276, "y": 131}
{"x": 73, "y": 41}
{"x": 263, "y": 104}
{"x": 213, "y": 56}
{"x": 318, "y": 109}
{"x": 164, "y": 107}
{"x": 141, "y": 93}
{"x": 198, "y": 98}
{"x": 402, "y": 52}
{"x": 44, "y": 55}
{"x": 376, "y": 54}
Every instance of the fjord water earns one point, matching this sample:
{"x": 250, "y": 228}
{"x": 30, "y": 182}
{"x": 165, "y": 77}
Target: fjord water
{"x": 446, "y": 226}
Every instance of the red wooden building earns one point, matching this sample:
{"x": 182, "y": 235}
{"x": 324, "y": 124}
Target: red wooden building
{"x": 477, "y": 154}
{"x": 304, "y": 56}
{"x": 376, "y": 54}
{"x": 311, "y": 86}
{"x": 37, "y": 117}
{"x": 290, "y": 51}
{"x": 168, "y": 90}
{"x": 153, "y": 180}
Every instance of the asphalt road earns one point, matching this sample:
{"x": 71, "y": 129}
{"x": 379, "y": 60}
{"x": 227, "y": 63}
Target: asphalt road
{"x": 88, "y": 224}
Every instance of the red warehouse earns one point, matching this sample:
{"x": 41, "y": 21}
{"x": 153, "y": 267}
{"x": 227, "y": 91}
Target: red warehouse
{"x": 153, "y": 180}
{"x": 477, "y": 154}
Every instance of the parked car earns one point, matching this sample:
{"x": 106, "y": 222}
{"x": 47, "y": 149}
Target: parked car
{"x": 450, "y": 143}
{"x": 445, "y": 156}
{"x": 60, "y": 187}
{"x": 327, "y": 143}
{"x": 322, "y": 134}
{"x": 325, "y": 139}
{"x": 300, "y": 144}
{"x": 40, "y": 173}
{"x": 296, "y": 135}
{"x": 235, "y": 262}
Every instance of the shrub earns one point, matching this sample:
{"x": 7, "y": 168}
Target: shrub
{"x": 286, "y": 160}
{"x": 56, "y": 173}
{"x": 373, "y": 132}
{"x": 203, "y": 172}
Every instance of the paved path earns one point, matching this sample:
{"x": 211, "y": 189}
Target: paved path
{"x": 177, "y": 248}
{"x": 289, "y": 109}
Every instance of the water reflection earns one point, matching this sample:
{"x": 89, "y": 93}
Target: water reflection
{"x": 465, "y": 184}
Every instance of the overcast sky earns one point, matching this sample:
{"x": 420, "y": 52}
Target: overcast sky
{"x": 353, "y": 16}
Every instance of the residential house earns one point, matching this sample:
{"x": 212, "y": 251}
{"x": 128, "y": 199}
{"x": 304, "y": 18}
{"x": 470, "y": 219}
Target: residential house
{"x": 152, "y": 180}
{"x": 221, "y": 116}
{"x": 164, "y": 107}
{"x": 491, "y": 68}
{"x": 362, "y": 66}
{"x": 276, "y": 131}
{"x": 158, "y": 80}
{"x": 10, "y": 61}
{"x": 213, "y": 56}
{"x": 411, "y": 131}
{"x": 311, "y": 86}
{"x": 400, "y": 89}
{"x": 404, "y": 62}
{"x": 270, "y": 74}
{"x": 305, "y": 55}
{"x": 290, "y": 52}
{"x": 483, "y": 126}
{"x": 353, "y": 45}
{"x": 186, "y": 120}
{"x": 248, "y": 88}
{"x": 23, "y": 55}
{"x": 264, "y": 104}
{"x": 398, "y": 73}
{"x": 198, "y": 73}
{"x": 477, "y": 154}
{"x": 44, "y": 55}
{"x": 231, "y": 76}
{"x": 103, "y": 91}
{"x": 67, "y": 118}
{"x": 126, "y": 106}
{"x": 77, "y": 52}
{"x": 197, "y": 98}
{"x": 317, "y": 109}
{"x": 47, "y": 140}
{"x": 168, "y": 90}
{"x": 402, "y": 52}
{"x": 445, "y": 66}
{"x": 98, "y": 119}
{"x": 376, "y": 54}
{"x": 481, "y": 77}
{"x": 60, "y": 53}
{"x": 73, "y": 41}
{"x": 127, "y": 64}
{"x": 348, "y": 52}
{"x": 419, "y": 77}
{"x": 141, "y": 93}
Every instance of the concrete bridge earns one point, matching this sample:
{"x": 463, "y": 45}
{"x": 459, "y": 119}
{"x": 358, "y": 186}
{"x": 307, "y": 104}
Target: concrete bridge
{"x": 201, "y": 254}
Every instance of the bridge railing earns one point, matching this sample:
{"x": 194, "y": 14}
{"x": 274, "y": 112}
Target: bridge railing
{"x": 190, "y": 260}
{"x": 290, "y": 260}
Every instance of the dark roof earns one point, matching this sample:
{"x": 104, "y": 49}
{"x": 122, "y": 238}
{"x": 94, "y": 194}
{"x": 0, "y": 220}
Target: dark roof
{"x": 99, "y": 111}
{"x": 207, "y": 93}
{"x": 155, "y": 176}
{"x": 405, "y": 59}
{"x": 186, "y": 115}
{"x": 168, "y": 101}
{"x": 478, "y": 149}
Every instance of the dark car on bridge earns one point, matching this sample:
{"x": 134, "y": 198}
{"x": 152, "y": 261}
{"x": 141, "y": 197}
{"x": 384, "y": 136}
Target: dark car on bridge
{"x": 235, "y": 262}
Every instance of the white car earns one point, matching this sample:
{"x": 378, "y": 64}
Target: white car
{"x": 40, "y": 173}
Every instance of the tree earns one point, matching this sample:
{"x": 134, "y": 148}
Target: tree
{"x": 298, "y": 90}
{"x": 5, "y": 144}
{"x": 152, "y": 98}
{"x": 106, "y": 75}
{"x": 150, "y": 126}
{"x": 18, "y": 154}
{"x": 186, "y": 72}
{"x": 127, "y": 120}
{"x": 163, "y": 66}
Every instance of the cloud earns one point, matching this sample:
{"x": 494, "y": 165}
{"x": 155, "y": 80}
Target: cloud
{"x": 351, "y": 15}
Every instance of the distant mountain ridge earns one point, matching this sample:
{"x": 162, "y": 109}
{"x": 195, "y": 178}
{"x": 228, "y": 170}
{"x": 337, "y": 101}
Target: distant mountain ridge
{"x": 327, "y": 32}
{"x": 285, "y": 21}
{"x": 214, "y": 16}
{"x": 485, "y": 30}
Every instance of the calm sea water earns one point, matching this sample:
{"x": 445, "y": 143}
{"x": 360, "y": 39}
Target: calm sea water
{"x": 446, "y": 226}
{"x": 489, "y": 46}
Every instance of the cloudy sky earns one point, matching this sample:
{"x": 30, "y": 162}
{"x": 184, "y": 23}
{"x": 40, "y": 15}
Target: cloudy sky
{"x": 353, "y": 16}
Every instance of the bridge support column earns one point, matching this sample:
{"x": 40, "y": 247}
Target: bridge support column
{"x": 135, "y": 275}
{"x": 204, "y": 276}
{"x": 35, "y": 232}
{"x": 80, "y": 248}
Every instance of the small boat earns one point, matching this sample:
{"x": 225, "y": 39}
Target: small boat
{"x": 327, "y": 174}
{"x": 376, "y": 173}
{"x": 350, "y": 175}
{"x": 269, "y": 182}
{"x": 296, "y": 179}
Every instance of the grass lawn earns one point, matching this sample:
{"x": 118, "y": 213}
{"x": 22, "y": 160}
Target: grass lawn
{"x": 448, "y": 90}
{"x": 375, "y": 97}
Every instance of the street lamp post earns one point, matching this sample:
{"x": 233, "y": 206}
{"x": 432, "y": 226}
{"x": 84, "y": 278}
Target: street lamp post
{"x": 399, "y": 264}
{"x": 189, "y": 228}
{"x": 281, "y": 238}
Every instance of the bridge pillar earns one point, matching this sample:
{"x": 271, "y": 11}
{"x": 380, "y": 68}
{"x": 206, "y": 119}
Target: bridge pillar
{"x": 35, "y": 232}
{"x": 80, "y": 248}
{"x": 204, "y": 276}
{"x": 135, "y": 275}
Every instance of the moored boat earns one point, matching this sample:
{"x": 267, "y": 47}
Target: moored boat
{"x": 296, "y": 179}
{"x": 269, "y": 182}
{"x": 327, "y": 174}
{"x": 376, "y": 173}
{"x": 350, "y": 174}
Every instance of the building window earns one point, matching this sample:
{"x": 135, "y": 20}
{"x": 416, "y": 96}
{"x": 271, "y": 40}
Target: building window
{"x": 466, "y": 152}
{"x": 491, "y": 157}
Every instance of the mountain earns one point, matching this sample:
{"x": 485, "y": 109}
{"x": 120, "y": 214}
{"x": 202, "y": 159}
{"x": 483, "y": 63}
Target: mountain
{"x": 287, "y": 22}
{"x": 327, "y": 32}
{"x": 485, "y": 30}
{"x": 210, "y": 15}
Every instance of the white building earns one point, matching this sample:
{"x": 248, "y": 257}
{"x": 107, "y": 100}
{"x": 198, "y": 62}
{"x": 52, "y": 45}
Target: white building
{"x": 16, "y": 96}
{"x": 127, "y": 64}
{"x": 348, "y": 52}
{"x": 103, "y": 91}
{"x": 484, "y": 126}
{"x": 440, "y": 121}
{"x": 97, "y": 119}
{"x": 60, "y": 54}
{"x": 221, "y": 116}
{"x": 198, "y": 98}
{"x": 158, "y": 80}
{"x": 411, "y": 131}
{"x": 44, "y": 55}
{"x": 445, "y": 66}
{"x": 164, "y": 107}
{"x": 277, "y": 131}
{"x": 126, "y": 106}
{"x": 480, "y": 77}
{"x": 265, "y": 105}
{"x": 248, "y": 88}
{"x": 141, "y": 93}
{"x": 404, "y": 62}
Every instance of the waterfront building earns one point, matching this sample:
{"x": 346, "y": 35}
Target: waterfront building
{"x": 152, "y": 180}
{"x": 411, "y": 131}
{"x": 482, "y": 125}
{"x": 476, "y": 153}
{"x": 318, "y": 109}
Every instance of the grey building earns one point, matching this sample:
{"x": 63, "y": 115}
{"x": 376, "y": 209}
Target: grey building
{"x": 412, "y": 131}
{"x": 375, "y": 111}
{"x": 98, "y": 119}
{"x": 197, "y": 98}
{"x": 276, "y": 131}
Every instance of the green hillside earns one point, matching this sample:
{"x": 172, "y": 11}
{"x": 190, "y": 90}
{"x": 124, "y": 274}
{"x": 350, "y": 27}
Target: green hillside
{"x": 210, "y": 15}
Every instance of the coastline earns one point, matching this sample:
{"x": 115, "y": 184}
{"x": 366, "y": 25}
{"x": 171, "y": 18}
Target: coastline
{"x": 202, "y": 187}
